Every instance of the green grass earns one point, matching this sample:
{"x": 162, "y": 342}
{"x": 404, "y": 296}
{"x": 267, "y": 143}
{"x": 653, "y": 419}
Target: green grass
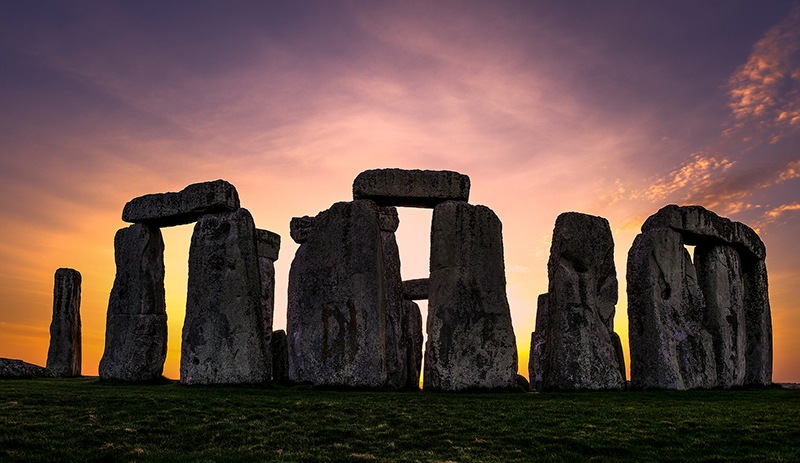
{"x": 85, "y": 420}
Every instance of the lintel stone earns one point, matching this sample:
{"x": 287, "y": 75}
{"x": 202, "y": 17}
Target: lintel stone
{"x": 185, "y": 206}
{"x": 411, "y": 188}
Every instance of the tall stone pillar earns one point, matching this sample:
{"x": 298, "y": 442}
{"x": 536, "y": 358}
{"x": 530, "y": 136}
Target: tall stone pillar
{"x": 64, "y": 354}
{"x": 268, "y": 247}
{"x": 538, "y": 340}
{"x": 758, "y": 324}
{"x": 471, "y": 342}
{"x": 136, "y": 322}
{"x": 223, "y": 333}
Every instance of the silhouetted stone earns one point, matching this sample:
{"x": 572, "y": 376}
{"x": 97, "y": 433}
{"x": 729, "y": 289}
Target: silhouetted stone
{"x": 471, "y": 342}
{"x": 301, "y": 227}
{"x": 136, "y": 322}
{"x": 538, "y": 339}
{"x": 268, "y": 245}
{"x": 523, "y": 384}
{"x": 280, "y": 356}
{"x": 396, "y": 355}
{"x": 185, "y": 206}
{"x": 337, "y": 324}
{"x": 412, "y": 342}
{"x": 670, "y": 349}
{"x": 411, "y": 188}
{"x": 64, "y": 354}
{"x": 17, "y": 369}
{"x": 223, "y": 332}
{"x": 758, "y": 324}
{"x": 579, "y": 352}
{"x": 390, "y": 220}
{"x": 719, "y": 274}
{"x": 415, "y": 290}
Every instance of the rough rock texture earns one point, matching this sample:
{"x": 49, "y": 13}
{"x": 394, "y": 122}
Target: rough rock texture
{"x": 337, "y": 315}
{"x": 758, "y": 323}
{"x": 185, "y": 206}
{"x": 13, "y": 368}
{"x": 719, "y": 274}
{"x": 64, "y": 354}
{"x": 471, "y": 340}
{"x": 267, "y": 245}
{"x": 415, "y": 290}
{"x": 223, "y": 332}
{"x": 411, "y": 188}
{"x": 698, "y": 225}
{"x": 390, "y": 220}
{"x": 396, "y": 355}
{"x": 412, "y": 342}
{"x": 136, "y": 322}
{"x": 301, "y": 227}
{"x": 538, "y": 339}
{"x": 579, "y": 351}
{"x": 669, "y": 346}
{"x": 280, "y": 356}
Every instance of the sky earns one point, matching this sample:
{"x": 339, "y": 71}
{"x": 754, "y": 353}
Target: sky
{"x": 611, "y": 108}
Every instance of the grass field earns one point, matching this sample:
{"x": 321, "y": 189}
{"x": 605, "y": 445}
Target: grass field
{"x": 85, "y": 420}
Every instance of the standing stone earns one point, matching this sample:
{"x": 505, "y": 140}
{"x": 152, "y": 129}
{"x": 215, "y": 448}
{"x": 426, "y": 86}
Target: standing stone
{"x": 538, "y": 339}
{"x": 411, "y": 188}
{"x": 396, "y": 354}
{"x": 301, "y": 227}
{"x": 223, "y": 332}
{"x": 758, "y": 324}
{"x": 64, "y": 354}
{"x": 579, "y": 350}
{"x": 416, "y": 290}
{"x": 669, "y": 347}
{"x": 136, "y": 323}
{"x": 336, "y": 317}
{"x": 185, "y": 206}
{"x": 719, "y": 274}
{"x": 471, "y": 340}
{"x": 280, "y": 356}
{"x": 268, "y": 245}
{"x": 412, "y": 342}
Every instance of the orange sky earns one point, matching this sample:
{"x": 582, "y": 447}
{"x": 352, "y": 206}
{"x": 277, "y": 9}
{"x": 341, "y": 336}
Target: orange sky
{"x": 612, "y": 110}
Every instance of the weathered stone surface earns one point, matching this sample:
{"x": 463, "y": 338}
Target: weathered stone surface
{"x": 669, "y": 347}
{"x": 578, "y": 351}
{"x": 411, "y": 188}
{"x": 64, "y": 354}
{"x": 523, "y": 383}
{"x": 136, "y": 322}
{"x": 758, "y": 324}
{"x": 538, "y": 339}
{"x": 396, "y": 355}
{"x": 415, "y": 290}
{"x": 390, "y": 220}
{"x": 719, "y": 274}
{"x": 412, "y": 342}
{"x": 471, "y": 340}
{"x": 185, "y": 206}
{"x": 699, "y": 225}
{"x": 269, "y": 244}
{"x": 280, "y": 356}
{"x": 13, "y": 368}
{"x": 223, "y": 332}
{"x": 301, "y": 227}
{"x": 337, "y": 314}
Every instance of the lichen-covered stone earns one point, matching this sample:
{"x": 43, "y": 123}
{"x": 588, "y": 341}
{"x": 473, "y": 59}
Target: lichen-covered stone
{"x": 411, "y": 188}
{"x": 417, "y": 289}
{"x": 136, "y": 322}
{"x": 669, "y": 347}
{"x": 280, "y": 356}
{"x": 471, "y": 342}
{"x": 223, "y": 332}
{"x": 185, "y": 206}
{"x": 64, "y": 354}
{"x": 579, "y": 351}
{"x": 336, "y": 317}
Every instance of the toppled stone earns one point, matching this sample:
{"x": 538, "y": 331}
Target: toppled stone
{"x": 301, "y": 227}
{"x": 390, "y": 220}
{"x": 669, "y": 347}
{"x": 64, "y": 354}
{"x": 719, "y": 274}
{"x": 471, "y": 342}
{"x": 412, "y": 342}
{"x": 17, "y": 369}
{"x": 185, "y": 206}
{"x": 579, "y": 352}
{"x": 280, "y": 356}
{"x": 269, "y": 244}
{"x": 698, "y": 225}
{"x": 538, "y": 339}
{"x": 223, "y": 332}
{"x": 337, "y": 311}
{"x": 415, "y": 290}
{"x": 411, "y": 188}
{"x": 136, "y": 322}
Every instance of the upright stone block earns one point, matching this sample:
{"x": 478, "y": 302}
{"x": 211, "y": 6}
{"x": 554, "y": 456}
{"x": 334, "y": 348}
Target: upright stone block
{"x": 268, "y": 245}
{"x": 223, "y": 332}
{"x": 670, "y": 349}
{"x": 471, "y": 342}
{"x": 538, "y": 340}
{"x": 136, "y": 322}
{"x": 64, "y": 354}
{"x": 396, "y": 352}
{"x": 579, "y": 351}
{"x": 280, "y": 356}
{"x": 411, "y": 188}
{"x": 337, "y": 316}
{"x": 412, "y": 344}
{"x": 185, "y": 206}
{"x": 758, "y": 324}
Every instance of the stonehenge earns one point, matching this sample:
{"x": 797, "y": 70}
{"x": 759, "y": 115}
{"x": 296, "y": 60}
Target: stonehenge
{"x": 64, "y": 354}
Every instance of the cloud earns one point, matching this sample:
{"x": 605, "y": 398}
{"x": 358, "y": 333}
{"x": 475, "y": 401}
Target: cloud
{"x": 776, "y": 212}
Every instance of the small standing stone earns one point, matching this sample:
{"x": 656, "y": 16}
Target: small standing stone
{"x": 280, "y": 356}
{"x": 538, "y": 339}
{"x": 64, "y": 355}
